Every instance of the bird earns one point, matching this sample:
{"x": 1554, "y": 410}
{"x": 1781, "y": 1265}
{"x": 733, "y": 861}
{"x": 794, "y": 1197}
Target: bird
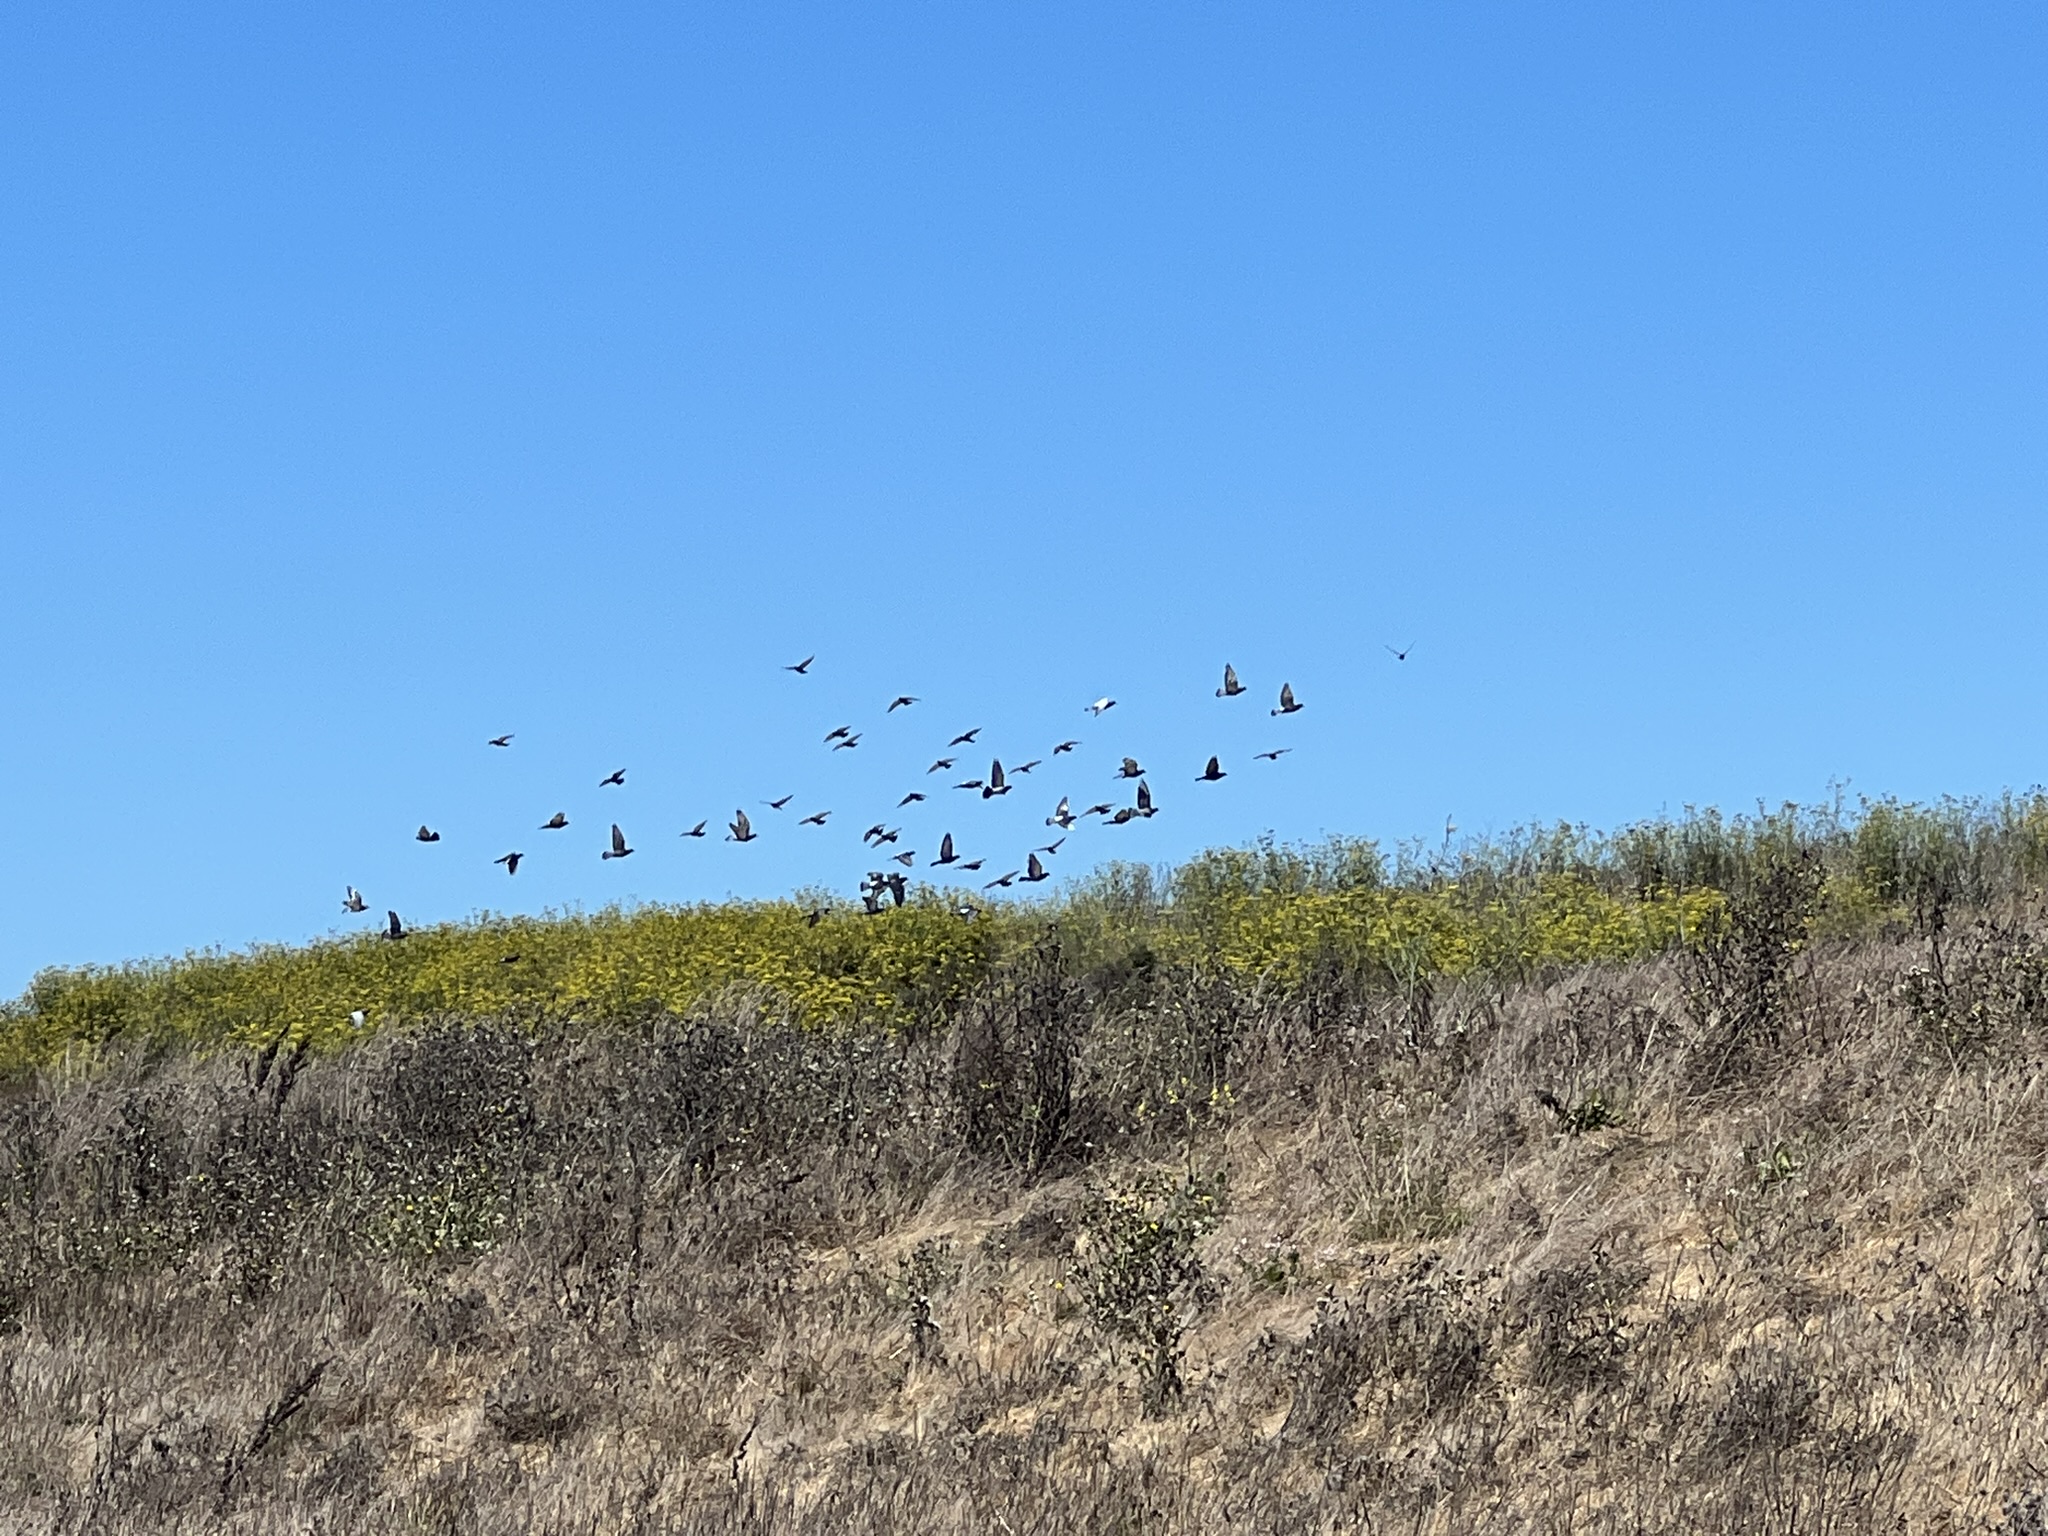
{"x": 1123, "y": 816}
{"x": 896, "y": 886}
{"x": 618, "y": 849}
{"x": 555, "y": 823}
{"x": 425, "y": 836}
{"x": 1053, "y": 846}
{"x": 872, "y": 901}
{"x": 358, "y": 1017}
{"x": 910, "y": 799}
{"x": 1271, "y": 757}
{"x": 508, "y": 959}
{"x": 696, "y": 831}
{"x": 815, "y": 820}
{"x": 901, "y": 701}
{"x": 1002, "y": 880}
{"x": 353, "y": 901}
{"x": 997, "y": 784}
{"x": 1100, "y": 705}
{"x": 848, "y": 743}
{"x": 1402, "y": 654}
{"x": 970, "y": 784}
{"x": 973, "y": 864}
{"x": 967, "y": 910}
{"x": 889, "y": 836}
{"x": 742, "y": 829}
{"x": 502, "y": 741}
{"x": 1027, "y": 767}
{"x": 906, "y": 858}
{"x": 1130, "y": 769}
{"x": 1288, "y": 705}
{"x": 1231, "y": 686}
{"x": 617, "y": 777}
{"x": 776, "y": 805}
{"x": 1099, "y": 810}
{"x": 944, "y": 762}
{"x": 873, "y": 833}
{"x": 1144, "y": 806}
{"x": 1034, "y": 871}
{"x": 393, "y": 928}
{"x": 801, "y": 667}
{"x": 838, "y": 733}
{"x": 1210, "y": 774}
{"x": 511, "y": 862}
{"x": 1065, "y": 746}
{"x": 965, "y": 738}
{"x": 1063, "y": 818}
{"x": 813, "y": 917}
{"x": 946, "y": 854}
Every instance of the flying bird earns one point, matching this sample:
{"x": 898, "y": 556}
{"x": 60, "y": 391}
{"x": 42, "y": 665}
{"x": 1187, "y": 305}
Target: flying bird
{"x": 965, "y": 738}
{"x": 425, "y": 836}
{"x": 901, "y": 701}
{"x": 742, "y": 829}
{"x": 944, "y": 762}
{"x": 353, "y": 901}
{"x": 502, "y": 741}
{"x": 1034, "y": 871}
{"x": 1063, "y": 818}
{"x": 896, "y": 886}
{"x": 1053, "y": 846}
{"x": 839, "y": 733}
{"x": 970, "y": 784}
{"x": 817, "y": 820}
{"x": 973, "y": 864}
{"x": 1271, "y": 757}
{"x": 1100, "y": 705}
{"x": 1130, "y": 769}
{"x": 1099, "y": 810}
{"x": 618, "y": 777}
{"x": 555, "y": 823}
{"x": 801, "y": 667}
{"x": 393, "y": 928}
{"x": 1144, "y": 798}
{"x": 910, "y": 799}
{"x": 872, "y": 901}
{"x": 946, "y": 854}
{"x": 1065, "y": 746}
{"x": 776, "y": 805}
{"x": 889, "y": 836}
{"x": 906, "y": 858}
{"x": 1124, "y": 816}
{"x": 1210, "y": 774}
{"x": 813, "y": 917}
{"x": 1027, "y": 767}
{"x": 696, "y": 831}
{"x": 618, "y": 849}
{"x": 1002, "y": 880}
{"x": 1402, "y": 654}
{"x": 1231, "y": 686}
{"x": 873, "y": 833}
{"x": 1288, "y": 705}
{"x": 851, "y": 741}
{"x": 511, "y": 862}
{"x": 997, "y": 784}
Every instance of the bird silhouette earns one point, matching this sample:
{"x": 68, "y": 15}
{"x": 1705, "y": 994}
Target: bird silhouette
{"x": 873, "y": 833}
{"x": 1272, "y": 757}
{"x": 970, "y": 784}
{"x": 1027, "y": 767}
{"x": 1231, "y": 686}
{"x": 973, "y": 864}
{"x": 1288, "y": 705}
{"x": 1210, "y": 774}
{"x": 848, "y": 744}
{"x": 1063, "y": 818}
{"x": 426, "y": 836}
{"x": 816, "y": 820}
{"x": 696, "y": 831}
{"x": 1004, "y": 881}
{"x": 802, "y": 667}
{"x": 946, "y": 854}
{"x": 511, "y": 862}
{"x": 813, "y": 917}
{"x": 618, "y": 849}
{"x": 838, "y": 733}
{"x": 910, "y": 799}
{"x": 901, "y": 701}
{"x": 906, "y": 858}
{"x": 1034, "y": 871}
{"x": 1099, "y": 810}
{"x": 1100, "y": 705}
{"x": 897, "y": 885}
{"x": 776, "y": 805}
{"x": 1065, "y": 746}
{"x": 502, "y": 741}
{"x": 353, "y": 901}
{"x": 1124, "y": 816}
{"x": 944, "y": 762}
{"x": 1130, "y": 769}
{"x": 890, "y": 836}
{"x": 617, "y": 777}
{"x": 1144, "y": 798}
{"x": 555, "y": 823}
{"x": 997, "y": 784}
{"x": 742, "y": 829}
{"x": 965, "y": 738}
{"x": 871, "y": 901}
{"x": 1053, "y": 846}
{"x": 393, "y": 928}
{"x": 1402, "y": 654}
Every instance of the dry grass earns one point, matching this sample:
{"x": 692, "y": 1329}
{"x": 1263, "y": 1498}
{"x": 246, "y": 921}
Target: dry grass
{"x": 1708, "y": 1243}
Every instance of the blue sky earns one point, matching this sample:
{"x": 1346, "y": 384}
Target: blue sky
{"x": 374, "y": 382}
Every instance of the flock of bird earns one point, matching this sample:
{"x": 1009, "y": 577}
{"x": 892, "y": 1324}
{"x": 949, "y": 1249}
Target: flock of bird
{"x": 892, "y": 885}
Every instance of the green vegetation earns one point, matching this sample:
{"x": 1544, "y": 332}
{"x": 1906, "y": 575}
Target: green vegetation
{"x": 1542, "y": 899}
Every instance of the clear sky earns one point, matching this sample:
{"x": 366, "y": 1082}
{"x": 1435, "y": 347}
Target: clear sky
{"x": 377, "y": 379}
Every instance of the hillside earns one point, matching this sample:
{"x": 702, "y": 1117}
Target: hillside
{"x": 1692, "y": 1179}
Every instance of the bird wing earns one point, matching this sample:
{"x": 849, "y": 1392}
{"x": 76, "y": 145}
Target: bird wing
{"x": 946, "y": 847}
{"x": 995, "y": 775}
{"x": 1033, "y": 868}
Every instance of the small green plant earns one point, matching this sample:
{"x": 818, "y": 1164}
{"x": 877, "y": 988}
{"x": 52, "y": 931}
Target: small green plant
{"x": 1141, "y": 1279}
{"x": 1591, "y": 1113}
